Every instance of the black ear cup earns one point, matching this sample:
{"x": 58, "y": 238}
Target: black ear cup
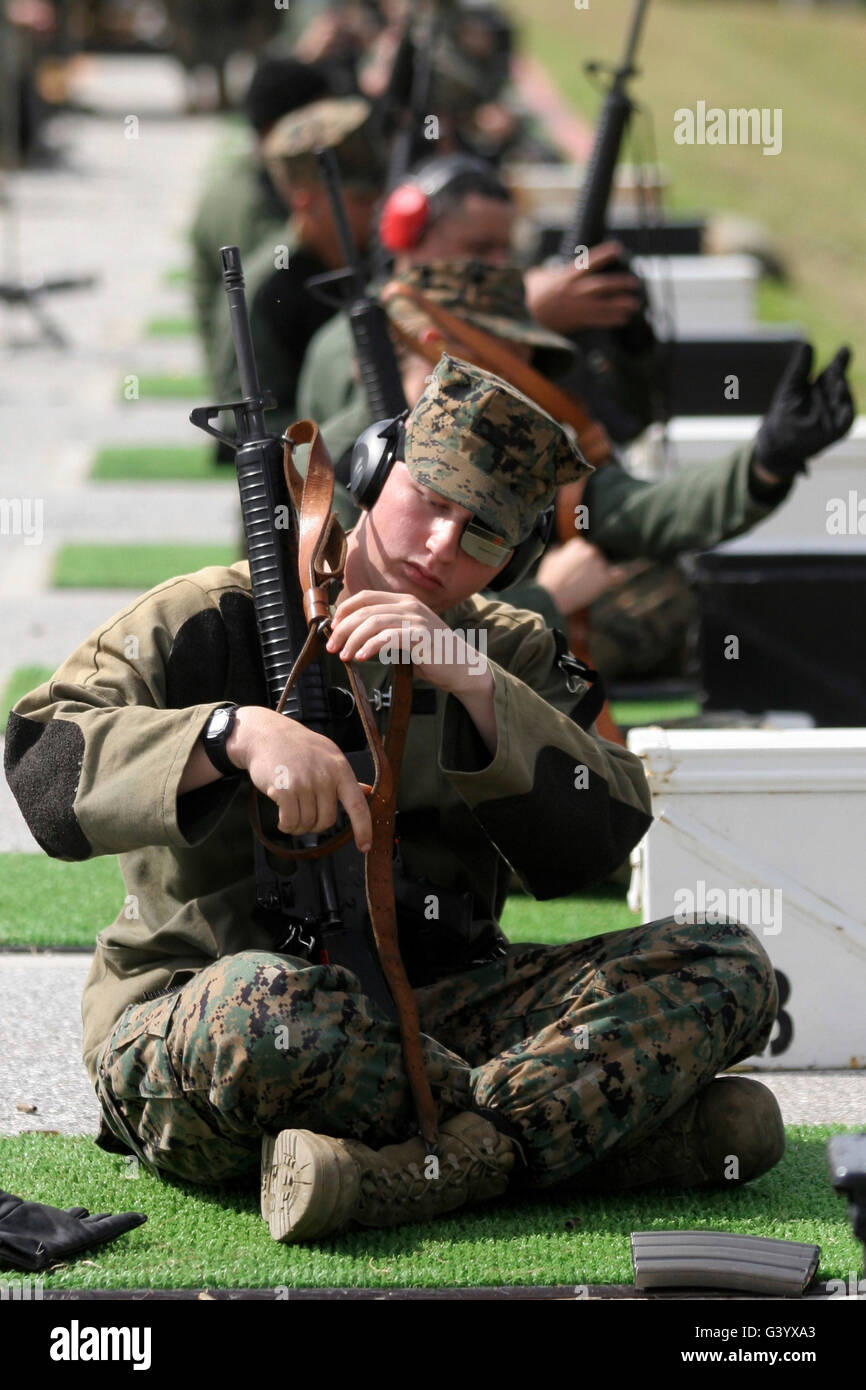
{"x": 373, "y": 456}
{"x": 374, "y": 453}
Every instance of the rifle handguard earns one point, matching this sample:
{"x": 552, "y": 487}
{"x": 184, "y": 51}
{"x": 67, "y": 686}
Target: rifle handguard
{"x": 321, "y": 559}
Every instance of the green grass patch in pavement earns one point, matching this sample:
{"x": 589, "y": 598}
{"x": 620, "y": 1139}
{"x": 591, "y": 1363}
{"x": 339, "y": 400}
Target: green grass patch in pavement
{"x": 47, "y": 902}
{"x": 167, "y": 386}
{"x": 215, "y": 1238}
{"x": 23, "y": 679}
{"x": 159, "y": 463}
{"x": 806, "y": 62}
{"x": 132, "y": 566}
{"x": 630, "y": 713}
{"x": 180, "y": 326}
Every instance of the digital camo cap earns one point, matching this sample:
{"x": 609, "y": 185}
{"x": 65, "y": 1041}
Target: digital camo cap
{"x": 479, "y": 442}
{"x": 492, "y": 297}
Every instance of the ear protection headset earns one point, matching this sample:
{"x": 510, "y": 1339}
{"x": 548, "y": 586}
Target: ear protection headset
{"x": 411, "y": 208}
{"x": 373, "y": 456}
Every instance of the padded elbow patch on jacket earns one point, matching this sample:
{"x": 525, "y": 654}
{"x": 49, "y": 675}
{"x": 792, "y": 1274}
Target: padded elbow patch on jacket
{"x": 43, "y": 766}
{"x": 554, "y": 852}
{"x": 215, "y": 656}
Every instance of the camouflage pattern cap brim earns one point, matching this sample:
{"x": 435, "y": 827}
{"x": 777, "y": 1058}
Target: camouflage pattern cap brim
{"x": 479, "y": 442}
{"x": 323, "y": 124}
{"x": 492, "y": 297}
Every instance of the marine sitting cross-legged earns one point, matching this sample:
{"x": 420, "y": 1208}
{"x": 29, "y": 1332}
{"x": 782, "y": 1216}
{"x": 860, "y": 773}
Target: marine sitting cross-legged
{"x": 215, "y": 1055}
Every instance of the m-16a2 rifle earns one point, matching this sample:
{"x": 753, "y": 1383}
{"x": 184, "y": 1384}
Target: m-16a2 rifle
{"x": 616, "y": 374}
{"x": 303, "y": 909}
{"x": 324, "y": 908}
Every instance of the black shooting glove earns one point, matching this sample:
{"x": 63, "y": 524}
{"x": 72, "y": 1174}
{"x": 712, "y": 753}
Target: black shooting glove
{"x": 33, "y": 1236}
{"x": 804, "y": 417}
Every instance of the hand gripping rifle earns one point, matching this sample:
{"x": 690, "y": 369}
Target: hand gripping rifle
{"x": 616, "y": 374}
{"x": 326, "y": 907}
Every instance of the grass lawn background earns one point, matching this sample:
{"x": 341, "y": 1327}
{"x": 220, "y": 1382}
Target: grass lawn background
{"x": 808, "y": 62}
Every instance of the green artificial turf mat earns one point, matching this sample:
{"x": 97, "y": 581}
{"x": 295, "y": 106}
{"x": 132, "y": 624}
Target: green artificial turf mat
{"x": 159, "y": 463}
{"x": 133, "y": 566}
{"x": 168, "y": 386}
{"x": 180, "y": 327}
{"x": 630, "y": 713}
{"x": 22, "y": 680}
{"x": 47, "y": 902}
{"x": 202, "y": 1237}
{"x": 177, "y": 275}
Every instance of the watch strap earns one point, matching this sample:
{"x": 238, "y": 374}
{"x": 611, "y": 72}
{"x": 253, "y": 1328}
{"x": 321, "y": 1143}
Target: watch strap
{"x": 215, "y": 742}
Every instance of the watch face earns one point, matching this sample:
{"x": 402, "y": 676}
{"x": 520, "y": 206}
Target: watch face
{"x": 219, "y": 720}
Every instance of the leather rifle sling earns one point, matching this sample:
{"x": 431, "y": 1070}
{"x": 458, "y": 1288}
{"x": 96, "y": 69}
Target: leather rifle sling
{"x": 489, "y": 353}
{"x": 321, "y": 558}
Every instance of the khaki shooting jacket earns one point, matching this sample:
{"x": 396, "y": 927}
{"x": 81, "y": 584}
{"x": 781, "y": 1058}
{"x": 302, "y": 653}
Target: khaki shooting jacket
{"x": 95, "y": 755}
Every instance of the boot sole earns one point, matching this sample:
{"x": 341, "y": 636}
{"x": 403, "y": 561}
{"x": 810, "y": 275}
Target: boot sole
{"x": 308, "y": 1186}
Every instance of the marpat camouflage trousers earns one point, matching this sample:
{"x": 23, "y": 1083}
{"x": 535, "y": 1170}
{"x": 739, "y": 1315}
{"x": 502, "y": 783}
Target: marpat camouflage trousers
{"x": 574, "y": 1048}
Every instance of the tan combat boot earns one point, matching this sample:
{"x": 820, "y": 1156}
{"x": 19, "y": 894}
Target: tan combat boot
{"x": 728, "y": 1134}
{"x": 313, "y": 1185}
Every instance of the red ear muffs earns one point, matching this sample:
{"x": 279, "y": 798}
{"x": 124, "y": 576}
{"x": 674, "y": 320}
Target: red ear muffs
{"x": 404, "y": 217}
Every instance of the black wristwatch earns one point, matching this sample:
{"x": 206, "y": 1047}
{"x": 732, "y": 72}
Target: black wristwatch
{"x": 214, "y": 736}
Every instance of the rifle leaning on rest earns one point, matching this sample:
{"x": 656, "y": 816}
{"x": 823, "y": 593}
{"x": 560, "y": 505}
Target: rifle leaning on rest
{"x": 617, "y": 371}
{"x": 335, "y": 902}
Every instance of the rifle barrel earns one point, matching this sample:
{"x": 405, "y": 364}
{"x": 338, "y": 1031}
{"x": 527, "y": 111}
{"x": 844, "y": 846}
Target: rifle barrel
{"x": 586, "y": 227}
{"x": 380, "y": 373}
{"x": 330, "y": 172}
{"x": 637, "y": 22}
{"x": 233, "y": 283}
